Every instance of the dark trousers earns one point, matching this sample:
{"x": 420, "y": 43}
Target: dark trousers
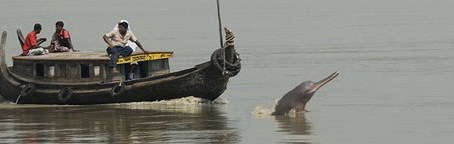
{"x": 115, "y": 52}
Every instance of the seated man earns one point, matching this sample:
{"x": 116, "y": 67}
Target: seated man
{"x": 31, "y": 43}
{"x": 129, "y": 43}
{"x": 134, "y": 72}
{"x": 61, "y": 41}
{"x": 117, "y": 40}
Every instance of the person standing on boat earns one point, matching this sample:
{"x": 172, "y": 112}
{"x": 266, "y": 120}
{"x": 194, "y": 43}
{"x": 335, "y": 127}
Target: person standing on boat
{"x": 116, "y": 41}
{"x": 61, "y": 40}
{"x": 31, "y": 43}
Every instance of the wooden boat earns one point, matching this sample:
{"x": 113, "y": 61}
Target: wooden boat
{"x": 82, "y": 78}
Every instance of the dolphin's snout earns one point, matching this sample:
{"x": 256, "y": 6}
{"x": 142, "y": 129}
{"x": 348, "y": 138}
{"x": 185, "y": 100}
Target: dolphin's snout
{"x": 323, "y": 82}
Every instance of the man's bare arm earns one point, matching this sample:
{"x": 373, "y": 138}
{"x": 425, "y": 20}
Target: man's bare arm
{"x": 106, "y": 39}
{"x": 140, "y": 46}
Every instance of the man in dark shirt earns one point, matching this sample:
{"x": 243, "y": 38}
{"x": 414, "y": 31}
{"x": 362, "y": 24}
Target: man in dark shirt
{"x": 61, "y": 40}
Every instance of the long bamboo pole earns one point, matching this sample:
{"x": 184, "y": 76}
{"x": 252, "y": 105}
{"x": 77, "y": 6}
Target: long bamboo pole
{"x": 220, "y": 25}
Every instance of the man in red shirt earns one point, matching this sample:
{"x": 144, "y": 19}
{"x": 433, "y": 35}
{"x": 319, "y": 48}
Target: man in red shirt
{"x": 31, "y": 43}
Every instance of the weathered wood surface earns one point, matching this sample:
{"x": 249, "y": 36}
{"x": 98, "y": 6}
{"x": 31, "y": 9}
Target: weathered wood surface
{"x": 67, "y": 56}
{"x": 74, "y": 56}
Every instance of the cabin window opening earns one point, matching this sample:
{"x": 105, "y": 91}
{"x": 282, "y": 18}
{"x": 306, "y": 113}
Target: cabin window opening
{"x": 142, "y": 69}
{"x": 97, "y": 70}
{"x": 132, "y": 71}
{"x": 39, "y": 70}
{"x": 51, "y": 71}
{"x": 165, "y": 64}
{"x": 162, "y": 64}
{"x": 84, "y": 71}
{"x": 157, "y": 65}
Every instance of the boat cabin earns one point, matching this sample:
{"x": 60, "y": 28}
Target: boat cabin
{"x": 83, "y": 67}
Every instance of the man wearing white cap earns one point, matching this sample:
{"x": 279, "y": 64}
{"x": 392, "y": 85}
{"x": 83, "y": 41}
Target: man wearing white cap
{"x": 117, "y": 40}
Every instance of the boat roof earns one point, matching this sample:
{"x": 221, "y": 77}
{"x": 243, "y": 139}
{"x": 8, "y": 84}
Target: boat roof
{"x": 95, "y": 56}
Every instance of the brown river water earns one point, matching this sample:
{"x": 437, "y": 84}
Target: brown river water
{"x": 395, "y": 59}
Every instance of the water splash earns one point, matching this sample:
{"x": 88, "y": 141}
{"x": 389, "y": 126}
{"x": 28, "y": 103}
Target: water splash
{"x": 186, "y": 105}
{"x": 262, "y": 111}
{"x": 192, "y": 101}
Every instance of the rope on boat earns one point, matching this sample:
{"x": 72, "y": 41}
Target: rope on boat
{"x": 218, "y": 56}
{"x": 229, "y": 37}
{"x": 232, "y": 69}
{"x": 118, "y": 89}
{"x": 229, "y": 41}
{"x": 224, "y": 72}
{"x": 26, "y": 91}
{"x": 17, "y": 100}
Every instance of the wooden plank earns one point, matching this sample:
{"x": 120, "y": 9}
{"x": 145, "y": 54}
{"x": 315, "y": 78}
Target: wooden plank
{"x": 67, "y": 56}
{"x": 93, "y": 56}
{"x": 145, "y": 57}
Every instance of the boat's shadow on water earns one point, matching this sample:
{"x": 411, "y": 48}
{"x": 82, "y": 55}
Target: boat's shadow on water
{"x": 122, "y": 123}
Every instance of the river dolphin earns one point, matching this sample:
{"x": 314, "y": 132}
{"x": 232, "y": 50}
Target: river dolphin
{"x": 300, "y": 95}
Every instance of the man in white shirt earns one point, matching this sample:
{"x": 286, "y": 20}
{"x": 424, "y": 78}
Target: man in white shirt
{"x": 134, "y": 72}
{"x": 117, "y": 40}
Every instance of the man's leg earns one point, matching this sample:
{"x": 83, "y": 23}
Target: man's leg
{"x": 113, "y": 56}
{"x": 37, "y": 51}
{"x": 125, "y": 51}
{"x": 31, "y": 52}
{"x": 63, "y": 49}
{"x": 50, "y": 48}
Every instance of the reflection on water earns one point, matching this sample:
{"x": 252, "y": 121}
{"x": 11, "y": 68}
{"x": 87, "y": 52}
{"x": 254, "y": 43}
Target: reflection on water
{"x": 295, "y": 125}
{"x": 122, "y": 123}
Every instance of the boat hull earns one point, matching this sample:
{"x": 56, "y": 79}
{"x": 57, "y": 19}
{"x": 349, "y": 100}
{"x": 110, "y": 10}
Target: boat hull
{"x": 203, "y": 81}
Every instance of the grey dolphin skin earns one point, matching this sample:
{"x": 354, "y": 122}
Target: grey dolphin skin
{"x": 300, "y": 95}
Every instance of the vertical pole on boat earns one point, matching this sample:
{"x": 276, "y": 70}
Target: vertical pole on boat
{"x": 220, "y": 24}
{"x": 220, "y": 36}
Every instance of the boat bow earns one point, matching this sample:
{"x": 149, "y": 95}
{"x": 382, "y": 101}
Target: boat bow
{"x": 226, "y": 59}
{"x": 9, "y": 86}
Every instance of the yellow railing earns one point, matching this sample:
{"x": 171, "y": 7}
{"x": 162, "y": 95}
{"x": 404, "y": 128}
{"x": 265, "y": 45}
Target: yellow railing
{"x": 145, "y": 57}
